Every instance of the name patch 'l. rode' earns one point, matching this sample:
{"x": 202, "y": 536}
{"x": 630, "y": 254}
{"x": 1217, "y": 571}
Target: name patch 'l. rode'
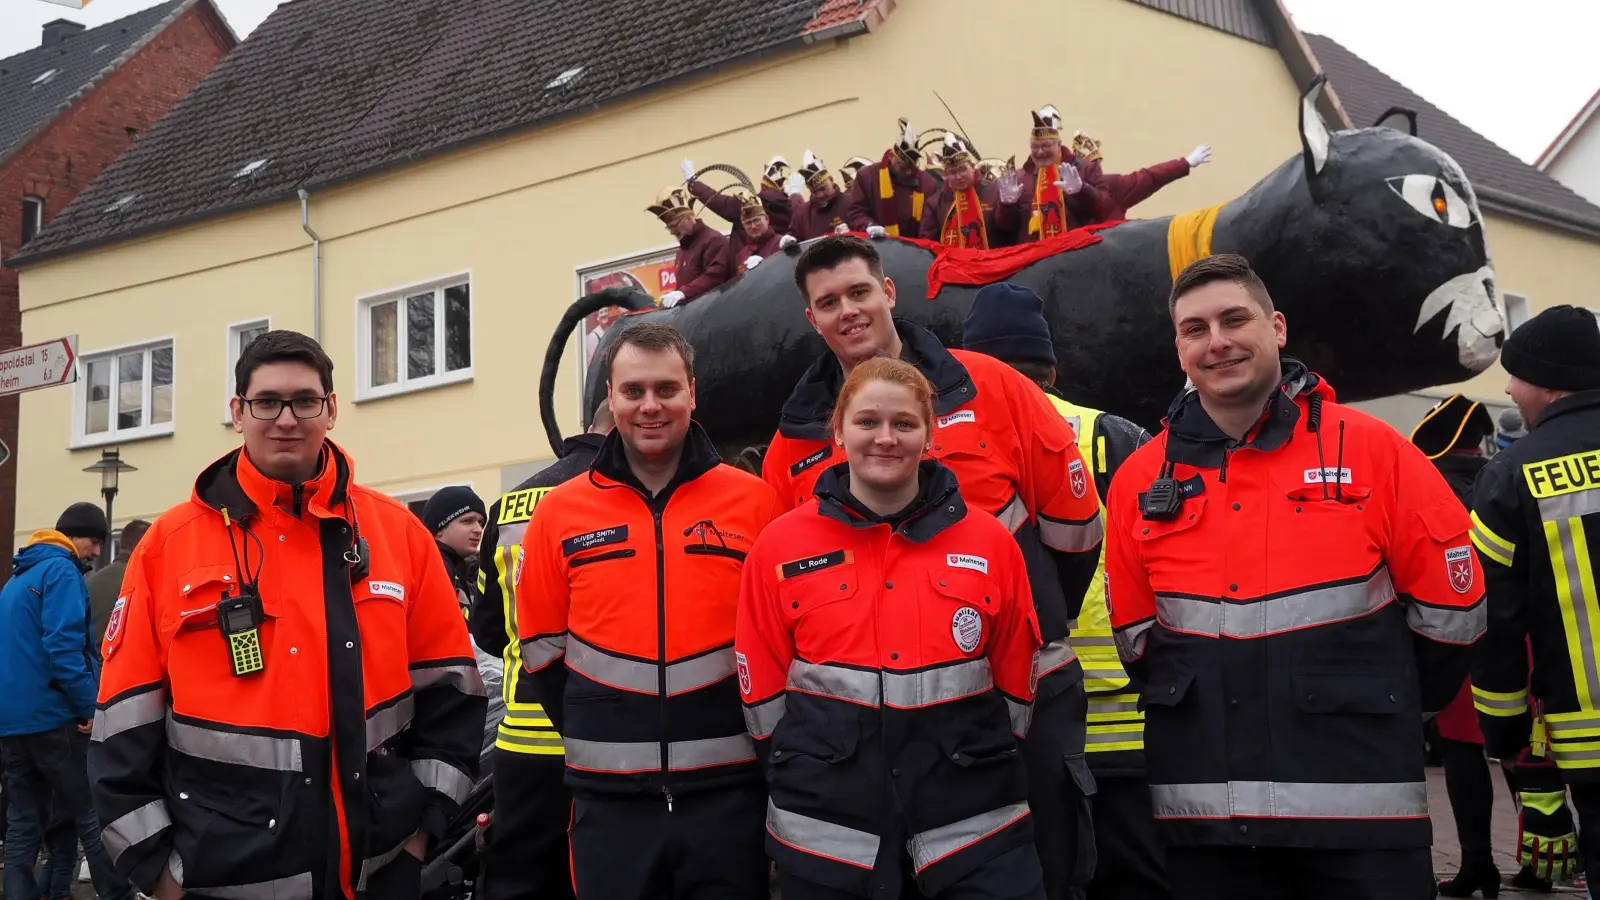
{"x": 815, "y": 563}
{"x": 616, "y": 534}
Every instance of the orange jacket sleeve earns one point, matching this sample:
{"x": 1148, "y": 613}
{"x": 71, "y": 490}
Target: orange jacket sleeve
{"x": 1436, "y": 574}
{"x": 445, "y": 739}
{"x": 1129, "y": 598}
{"x": 130, "y": 733}
{"x": 1014, "y": 651}
{"x": 544, "y": 596}
{"x": 763, "y": 642}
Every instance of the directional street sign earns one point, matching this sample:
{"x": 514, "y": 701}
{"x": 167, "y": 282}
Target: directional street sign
{"x": 39, "y": 366}
{"x": 5, "y": 453}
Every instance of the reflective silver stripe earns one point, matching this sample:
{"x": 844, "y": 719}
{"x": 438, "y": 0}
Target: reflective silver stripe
{"x": 1574, "y": 600}
{"x": 386, "y": 723}
{"x": 1091, "y": 640}
{"x": 1130, "y": 640}
{"x": 1292, "y": 800}
{"x": 1492, "y": 542}
{"x": 438, "y": 775}
{"x": 175, "y": 866}
{"x": 601, "y": 756}
{"x": 1448, "y": 624}
{"x": 684, "y": 756}
{"x": 935, "y": 844}
{"x": 142, "y": 824}
{"x": 1072, "y": 537}
{"x": 1013, "y": 514}
{"x": 294, "y": 887}
{"x": 129, "y": 713}
{"x": 762, "y": 719}
{"x": 1114, "y": 737}
{"x": 258, "y": 751}
{"x": 1213, "y": 617}
{"x": 1054, "y": 655}
{"x": 855, "y": 685}
{"x": 540, "y": 652}
{"x": 375, "y": 863}
{"x": 604, "y": 756}
{"x": 910, "y": 690}
{"x": 824, "y": 839}
{"x": 1569, "y": 506}
{"x": 624, "y": 674}
{"x": 1021, "y": 716}
{"x": 700, "y": 671}
{"x": 1559, "y": 754}
{"x": 1564, "y": 722}
{"x": 464, "y": 678}
{"x": 1107, "y": 707}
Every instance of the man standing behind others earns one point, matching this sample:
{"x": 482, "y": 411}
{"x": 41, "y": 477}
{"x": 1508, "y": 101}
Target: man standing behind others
{"x": 48, "y": 672}
{"x": 289, "y": 706}
{"x": 1014, "y": 458}
{"x": 526, "y": 857}
{"x": 625, "y": 609}
{"x": 105, "y": 584}
{"x": 455, "y": 517}
{"x": 1293, "y": 582}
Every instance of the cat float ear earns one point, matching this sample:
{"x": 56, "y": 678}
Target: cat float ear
{"x": 1314, "y": 136}
{"x": 1399, "y": 118}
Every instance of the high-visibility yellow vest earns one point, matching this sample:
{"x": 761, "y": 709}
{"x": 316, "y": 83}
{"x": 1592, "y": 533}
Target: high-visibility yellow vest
{"x": 525, "y": 728}
{"x": 1115, "y": 722}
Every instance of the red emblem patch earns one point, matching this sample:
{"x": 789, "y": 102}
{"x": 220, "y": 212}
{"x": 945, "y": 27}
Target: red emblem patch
{"x": 744, "y": 673}
{"x": 1079, "y": 477}
{"x": 1459, "y": 562}
{"x": 114, "y": 623}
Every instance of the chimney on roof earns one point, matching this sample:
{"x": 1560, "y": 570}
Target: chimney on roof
{"x": 59, "y": 30}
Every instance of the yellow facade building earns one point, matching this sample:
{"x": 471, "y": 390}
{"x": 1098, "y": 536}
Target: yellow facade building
{"x": 454, "y": 197}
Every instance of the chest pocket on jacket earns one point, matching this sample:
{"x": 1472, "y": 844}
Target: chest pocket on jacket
{"x": 816, "y": 603}
{"x": 381, "y": 604}
{"x": 1171, "y": 546}
{"x": 198, "y": 652}
{"x": 957, "y": 609}
{"x": 960, "y": 434}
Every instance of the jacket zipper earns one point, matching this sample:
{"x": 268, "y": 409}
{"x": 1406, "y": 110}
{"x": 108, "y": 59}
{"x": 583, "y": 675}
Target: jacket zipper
{"x": 297, "y": 489}
{"x": 661, "y": 643}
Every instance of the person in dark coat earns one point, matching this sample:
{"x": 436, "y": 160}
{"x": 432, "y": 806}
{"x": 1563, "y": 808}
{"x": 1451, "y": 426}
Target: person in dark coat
{"x": 963, "y": 213}
{"x": 888, "y": 196}
{"x": 773, "y": 199}
{"x": 824, "y": 213}
{"x": 105, "y": 584}
{"x": 702, "y": 261}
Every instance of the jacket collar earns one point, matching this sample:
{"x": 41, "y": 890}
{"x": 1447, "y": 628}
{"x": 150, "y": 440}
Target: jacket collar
{"x": 809, "y": 410}
{"x": 938, "y": 504}
{"x": 233, "y": 484}
{"x": 47, "y": 542}
{"x": 1568, "y": 404}
{"x": 1195, "y": 440}
{"x": 611, "y": 469}
{"x": 579, "y": 442}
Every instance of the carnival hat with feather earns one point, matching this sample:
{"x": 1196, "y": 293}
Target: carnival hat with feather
{"x": 905, "y": 146}
{"x": 1085, "y": 148}
{"x": 956, "y": 150}
{"x": 1046, "y": 123}
{"x": 814, "y": 170}
{"x": 851, "y": 169}
{"x": 777, "y": 169}
{"x": 741, "y": 187}
{"x": 672, "y": 204}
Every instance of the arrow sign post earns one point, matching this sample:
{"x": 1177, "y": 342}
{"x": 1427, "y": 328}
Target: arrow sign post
{"x": 39, "y": 366}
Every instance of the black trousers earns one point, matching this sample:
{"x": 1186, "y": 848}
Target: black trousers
{"x": 1299, "y": 873}
{"x": 401, "y": 879}
{"x": 707, "y": 846}
{"x": 1130, "y": 857}
{"x": 526, "y": 857}
{"x": 1013, "y": 875}
{"x": 1586, "y": 802}
{"x": 1059, "y": 788}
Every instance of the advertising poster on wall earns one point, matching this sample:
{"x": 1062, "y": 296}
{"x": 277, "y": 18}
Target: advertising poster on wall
{"x": 653, "y": 272}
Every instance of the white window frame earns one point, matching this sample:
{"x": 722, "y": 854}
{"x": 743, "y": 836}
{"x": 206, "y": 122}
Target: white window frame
{"x": 230, "y": 352}
{"x": 37, "y": 205}
{"x": 364, "y": 389}
{"x": 1524, "y": 307}
{"x": 80, "y": 439}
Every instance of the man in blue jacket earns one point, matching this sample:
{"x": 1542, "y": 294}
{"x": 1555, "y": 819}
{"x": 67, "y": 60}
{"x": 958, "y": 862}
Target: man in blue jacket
{"x": 49, "y": 675}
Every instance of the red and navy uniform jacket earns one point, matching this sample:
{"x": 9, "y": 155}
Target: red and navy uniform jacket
{"x": 888, "y": 669}
{"x": 302, "y": 779}
{"x": 1313, "y": 596}
{"x": 625, "y": 612}
{"x": 1015, "y": 456}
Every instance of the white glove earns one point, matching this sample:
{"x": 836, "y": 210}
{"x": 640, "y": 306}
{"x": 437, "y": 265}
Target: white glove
{"x": 787, "y": 241}
{"x": 752, "y": 262}
{"x": 688, "y": 170}
{"x": 1071, "y": 182}
{"x": 1011, "y": 186}
{"x": 794, "y": 184}
{"x": 671, "y": 299}
{"x": 876, "y": 231}
{"x": 841, "y": 228}
{"x": 1199, "y": 156}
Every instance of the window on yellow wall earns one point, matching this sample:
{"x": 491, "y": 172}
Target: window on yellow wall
{"x": 124, "y": 393}
{"x": 415, "y": 337}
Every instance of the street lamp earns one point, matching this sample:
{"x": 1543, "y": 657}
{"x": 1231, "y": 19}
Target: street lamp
{"x": 110, "y": 468}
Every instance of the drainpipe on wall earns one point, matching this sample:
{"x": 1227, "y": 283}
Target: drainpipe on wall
{"x": 316, "y": 266}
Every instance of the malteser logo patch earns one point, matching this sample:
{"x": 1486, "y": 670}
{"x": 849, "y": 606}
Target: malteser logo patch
{"x": 616, "y": 534}
{"x": 815, "y": 563}
{"x": 1078, "y": 478}
{"x": 811, "y": 460}
{"x": 1459, "y": 561}
{"x": 956, "y": 418}
{"x": 388, "y": 589}
{"x": 963, "y": 561}
{"x": 966, "y": 626}
{"x": 114, "y": 623}
{"x": 744, "y": 673}
{"x": 1330, "y": 475}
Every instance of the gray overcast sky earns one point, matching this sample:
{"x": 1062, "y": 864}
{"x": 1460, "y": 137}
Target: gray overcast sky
{"x": 1515, "y": 72}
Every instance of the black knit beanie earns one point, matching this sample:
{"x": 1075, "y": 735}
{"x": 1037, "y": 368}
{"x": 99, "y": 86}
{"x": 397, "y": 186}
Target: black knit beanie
{"x": 449, "y": 504}
{"x": 1007, "y": 322}
{"x": 1558, "y": 349}
{"x": 83, "y": 520}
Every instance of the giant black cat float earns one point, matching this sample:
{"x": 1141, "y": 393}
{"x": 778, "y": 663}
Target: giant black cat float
{"x": 1370, "y": 242}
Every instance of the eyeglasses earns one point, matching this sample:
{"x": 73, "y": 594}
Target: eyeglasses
{"x": 270, "y": 408}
